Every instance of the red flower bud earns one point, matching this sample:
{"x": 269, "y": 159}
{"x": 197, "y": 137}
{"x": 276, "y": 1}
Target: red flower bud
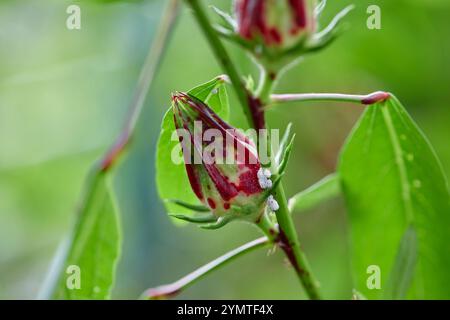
{"x": 275, "y": 23}
{"x": 221, "y": 163}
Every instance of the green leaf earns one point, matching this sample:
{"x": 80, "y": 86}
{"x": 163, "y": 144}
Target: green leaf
{"x": 92, "y": 251}
{"x": 392, "y": 180}
{"x": 169, "y": 174}
{"x": 403, "y": 270}
{"x": 325, "y": 189}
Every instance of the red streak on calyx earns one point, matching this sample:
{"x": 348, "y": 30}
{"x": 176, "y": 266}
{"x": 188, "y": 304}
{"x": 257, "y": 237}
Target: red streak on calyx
{"x": 248, "y": 181}
{"x": 194, "y": 181}
{"x": 211, "y": 203}
{"x": 226, "y": 189}
{"x": 252, "y": 19}
{"x": 187, "y": 109}
{"x": 190, "y": 169}
{"x": 298, "y": 15}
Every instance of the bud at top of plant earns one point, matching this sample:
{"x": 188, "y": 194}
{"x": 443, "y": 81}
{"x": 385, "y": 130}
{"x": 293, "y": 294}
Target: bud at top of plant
{"x": 275, "y": 23}
{"x": 221, "y": 162}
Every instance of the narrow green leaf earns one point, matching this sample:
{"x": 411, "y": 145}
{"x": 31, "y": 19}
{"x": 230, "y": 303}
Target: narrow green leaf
{"x": 283, "y": 144}
{"x": 197, "y": 208}
{"x": 403, "y": 270}
{"x": 171, "y": 178}
{"x": 286, "y": 155}
{"x": 325, "y": 189}
{"x": 319, "y": 8}
{"x": 200, "y": 218}
{"x": 228, "y": 20}
{"x": 93, "y": 249}
{"x": 392, "y": 179}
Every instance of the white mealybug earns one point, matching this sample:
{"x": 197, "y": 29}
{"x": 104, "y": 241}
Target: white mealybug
{"x": 267, "y": 173}
{"x": 264, "y": 178}
{"x": 272, "y": 203}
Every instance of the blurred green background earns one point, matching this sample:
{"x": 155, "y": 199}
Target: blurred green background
{"x": 64, "y": 95}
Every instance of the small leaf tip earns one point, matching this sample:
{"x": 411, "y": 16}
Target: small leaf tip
{"x": 224, "y": 78}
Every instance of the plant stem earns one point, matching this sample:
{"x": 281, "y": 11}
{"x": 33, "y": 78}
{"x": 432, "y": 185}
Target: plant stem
{"x": 265, "y": 86}
{"x": 175, "y": 288}
{"x": 268, "y": 227}
{"x": 287, "y": 237}
{"x": 288, "y": 241}
{"x": 223, "y": 57}
{"x": 151, "y": 64}
{"x": 253, "y": 108}
{"x": 338, "y": 97}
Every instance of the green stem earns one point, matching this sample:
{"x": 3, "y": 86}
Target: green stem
{"x": 268, "y": 227}
{"x": 337, "y": 97}
{"x": 265, "y": 86}
{"x": 253, "y": 109}
{"x": 287, "y": 236}
{"x": 222, "y": 56}
{"x": 175, "y": 288}
{"x": 148, "y": 71}
{"x": 288, "y": 241}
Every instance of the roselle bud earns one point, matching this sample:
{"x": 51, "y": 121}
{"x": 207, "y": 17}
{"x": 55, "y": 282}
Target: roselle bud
{"x": 221, "y": 162}
{"x": 278, "y": 24}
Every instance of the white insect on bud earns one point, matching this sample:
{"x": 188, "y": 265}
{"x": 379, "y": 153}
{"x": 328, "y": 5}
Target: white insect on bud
{"x": 267, "y": 173}
{"x": 264, "y": 178}
{"x": 272, "y": 203}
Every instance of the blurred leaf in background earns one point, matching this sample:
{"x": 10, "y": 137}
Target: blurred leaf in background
{"x": 88, "y": 267}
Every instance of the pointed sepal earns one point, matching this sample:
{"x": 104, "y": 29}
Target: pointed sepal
{"x": 222, "y": 221}
{"x": 193, "y": 207}
{"x": 284, "y": 142}
{"x": 202, "y": 218}
{"x": 285, "y": 156}
{"x": 326, "y": 36}
{"x": 229, "y": 22}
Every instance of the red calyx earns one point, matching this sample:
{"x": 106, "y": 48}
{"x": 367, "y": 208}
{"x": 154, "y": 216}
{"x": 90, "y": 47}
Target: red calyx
{"x": 298, "y": 15}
